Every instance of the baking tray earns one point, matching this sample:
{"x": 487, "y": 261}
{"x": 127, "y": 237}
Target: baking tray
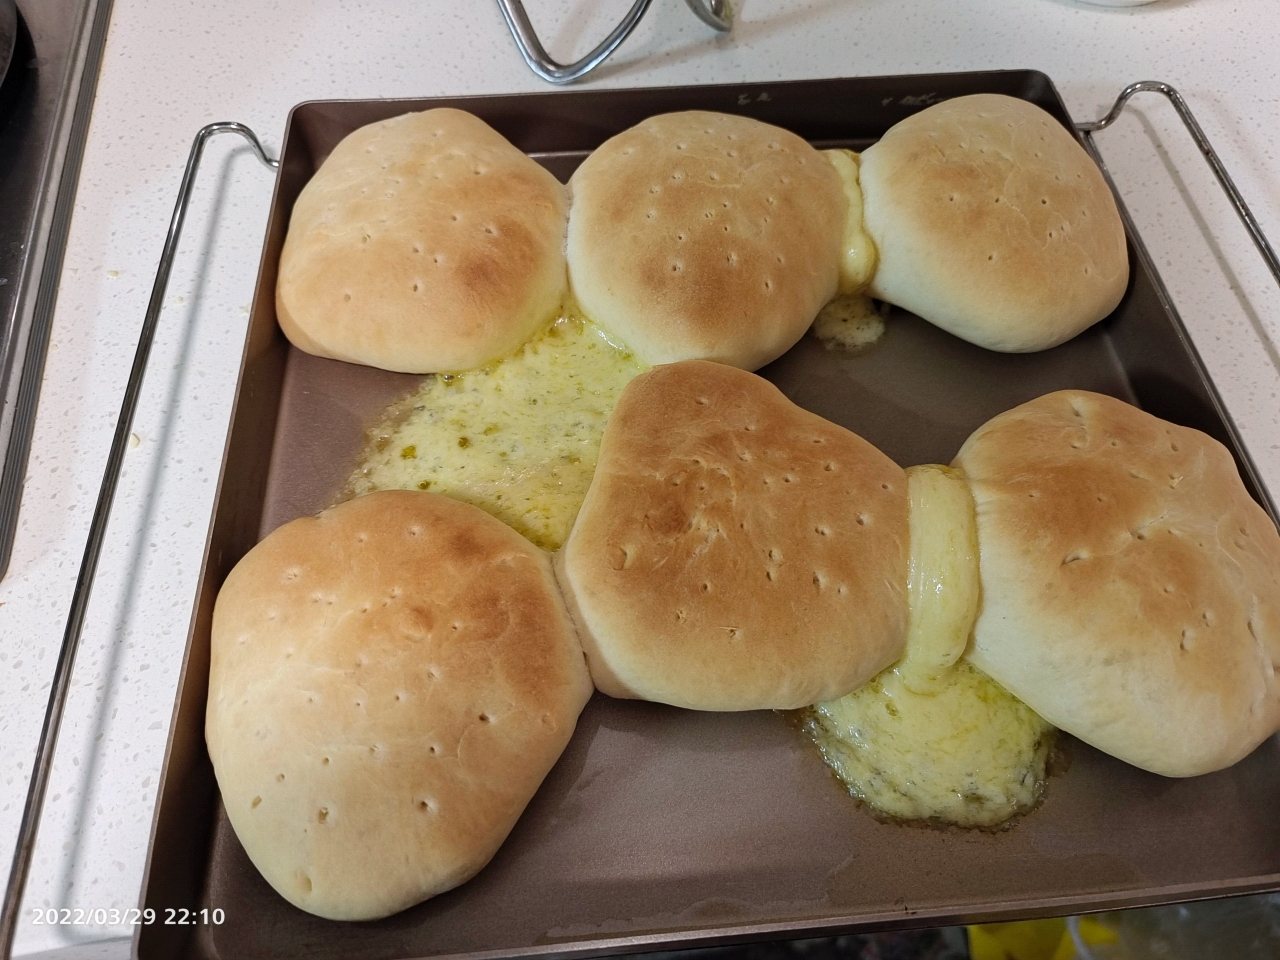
{"x": 661, "y": 827}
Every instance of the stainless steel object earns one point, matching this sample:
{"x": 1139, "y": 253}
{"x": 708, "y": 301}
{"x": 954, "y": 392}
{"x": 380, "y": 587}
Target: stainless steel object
{"x": 45, "y": 102}
{"x": 661, "y": 828}
{"x": 242, "y": 514}
{"x": 97, "y": 533}
{"x": 716, "y": 14}
{"x": 1206, "y": 148}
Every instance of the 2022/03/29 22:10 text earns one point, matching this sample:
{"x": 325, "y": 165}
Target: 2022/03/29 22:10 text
{"x": 134, "y": 916}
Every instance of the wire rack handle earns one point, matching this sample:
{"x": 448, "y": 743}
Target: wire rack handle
{"x": 1206, "y": 148}
{"x": 717, "y": 14}
{"x": 97, "y": 534}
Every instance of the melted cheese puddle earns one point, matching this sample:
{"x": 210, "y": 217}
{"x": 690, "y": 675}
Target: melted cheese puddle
{"x": 518, "y": 438}
{"x": 933, "y": 738}
{"x": 850, "y": 321}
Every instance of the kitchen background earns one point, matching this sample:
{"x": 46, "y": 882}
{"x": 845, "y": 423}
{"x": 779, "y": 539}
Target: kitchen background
{"x": 171, "y": 67}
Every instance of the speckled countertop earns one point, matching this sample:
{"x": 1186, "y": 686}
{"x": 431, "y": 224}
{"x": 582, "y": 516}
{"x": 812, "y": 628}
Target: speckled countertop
{"x": 171, "y": 67}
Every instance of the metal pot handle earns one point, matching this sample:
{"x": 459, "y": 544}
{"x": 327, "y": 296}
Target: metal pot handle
{"x": 716, "y": 14}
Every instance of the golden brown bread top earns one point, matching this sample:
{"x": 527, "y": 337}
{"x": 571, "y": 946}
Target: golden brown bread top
{"x": 390, "y": 681}
{"x": 705, "y": 236}
{"x": 992, "y": 222}
{"x": 735, "y": 551}
{"x": 424, "y": 243}
{"x": 1131, "y": 587}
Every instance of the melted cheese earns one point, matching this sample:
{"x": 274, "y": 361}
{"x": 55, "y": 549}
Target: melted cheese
{"x": 933, "y": 738}
{"x": 858, "y": 251}
{"x": 968, "y": 754}
{"x": 850, "y": 321}
{"x": 943, "y": 584}
{"x": 518, "y": 438}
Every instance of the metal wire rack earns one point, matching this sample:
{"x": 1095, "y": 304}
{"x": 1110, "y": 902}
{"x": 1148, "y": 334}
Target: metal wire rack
{"x": 513, "y": 9}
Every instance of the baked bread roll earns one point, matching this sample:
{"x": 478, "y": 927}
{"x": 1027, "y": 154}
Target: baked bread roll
{"x": 991, "y": 221}
{"x": 424, "y": 244}
{"x": 734, "y": 551}
{"x": 705, "y": 236}
{"x": 389, "y": 683}
{"x": 1131, "y": 587}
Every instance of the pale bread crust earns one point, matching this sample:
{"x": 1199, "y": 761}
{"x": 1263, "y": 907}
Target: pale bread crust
{"x": 424, "y": 244}
{"x": 1131, "y": 587}
{"x": 390, "y": 682}
{"x": 992, "y": 222}
{"x": 705, "y": 236}
{"x": 734, "y": 551}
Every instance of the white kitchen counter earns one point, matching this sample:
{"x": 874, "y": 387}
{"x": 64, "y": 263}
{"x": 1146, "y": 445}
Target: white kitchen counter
{"x": 171, "y": 67}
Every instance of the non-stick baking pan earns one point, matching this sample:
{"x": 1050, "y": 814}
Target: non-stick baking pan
{"x": 662, "y": 827}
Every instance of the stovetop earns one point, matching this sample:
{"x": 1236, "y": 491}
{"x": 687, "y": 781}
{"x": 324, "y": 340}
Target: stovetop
{"x": 45, "y": 101}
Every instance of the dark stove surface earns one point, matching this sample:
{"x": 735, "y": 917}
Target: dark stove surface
{"x": 44, "y": 111}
